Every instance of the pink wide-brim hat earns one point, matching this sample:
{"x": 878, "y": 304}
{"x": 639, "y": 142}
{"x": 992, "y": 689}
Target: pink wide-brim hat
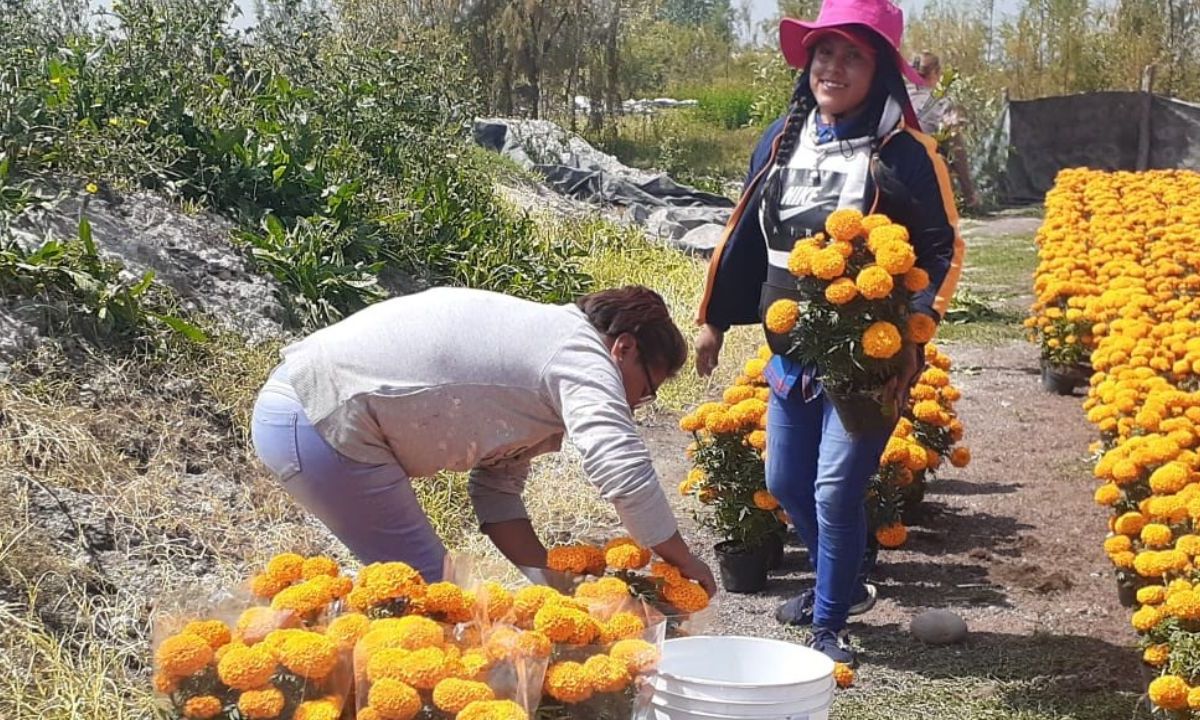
{"x": 879, "y": 16}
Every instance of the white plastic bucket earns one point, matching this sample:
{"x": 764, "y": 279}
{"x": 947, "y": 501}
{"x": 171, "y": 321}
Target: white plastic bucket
{"x": 727, "y": 678}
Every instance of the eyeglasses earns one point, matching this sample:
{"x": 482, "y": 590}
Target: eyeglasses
{"x": 653, "y": 394}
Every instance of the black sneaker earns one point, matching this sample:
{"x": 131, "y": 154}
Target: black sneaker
{"x": 835, "y": 645}
{"x": 798, "y": 610}
{"x": 864, "y": 600}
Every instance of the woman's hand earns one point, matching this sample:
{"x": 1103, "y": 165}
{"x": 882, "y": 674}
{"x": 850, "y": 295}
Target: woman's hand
{"x": 912, "y": 363}
{"x": 676, "y": 552}
{"x": 708, "y": 349}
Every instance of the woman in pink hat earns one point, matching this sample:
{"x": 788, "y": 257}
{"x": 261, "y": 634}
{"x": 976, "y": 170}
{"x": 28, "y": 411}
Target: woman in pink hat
{"x": 849, "y": 139}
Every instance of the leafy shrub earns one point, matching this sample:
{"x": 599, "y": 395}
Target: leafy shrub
{"x": 78, "y": 291}
{"x": 336, "y": 158}
{"x": 727, "y": 106}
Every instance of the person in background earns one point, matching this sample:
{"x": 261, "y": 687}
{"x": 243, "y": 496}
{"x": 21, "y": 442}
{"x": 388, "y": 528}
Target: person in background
{"x": 466, "y": 380}
{"x": 940, "y": 118}
{"x": 849, "y": 140}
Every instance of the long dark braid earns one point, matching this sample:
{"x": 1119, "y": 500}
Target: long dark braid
{"x": 801, "y": 107}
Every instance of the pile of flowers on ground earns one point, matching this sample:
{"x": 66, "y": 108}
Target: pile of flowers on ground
{"x": 730, "y": 442}
{"x": 1122, "y": 250}
{"x": 303, "y": 641}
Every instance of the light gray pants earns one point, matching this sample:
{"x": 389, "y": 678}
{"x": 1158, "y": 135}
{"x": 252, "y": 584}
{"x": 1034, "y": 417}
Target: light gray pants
{"x": 370, "y": 508}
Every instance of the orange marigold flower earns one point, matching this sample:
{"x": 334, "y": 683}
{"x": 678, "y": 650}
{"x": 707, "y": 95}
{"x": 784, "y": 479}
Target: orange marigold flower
{"x": 638, "y": 655}
{"x": 627, "y": 557}
{"x": 263, "y": 704}
{"x": 801, "y": 256}
{"x": 1156, "y": 655}
{"x": 385, "y": 663}
{"x": 960, "y": 457}
{"x": 873, "y": 221}
{"x": 891, "y": 536}
{"x": 1169, "y": 692}
{"x": 424, "y": 668}
{"x": 214, "y": 632}
{"x": 447, "y": 599}
{"x": 564, "y": 624}
{"x": 843, "y": 675}
{"x": 881, "y": 340}
{"x": 288, "y": 567}
{"x": 841, "y": 291}
{"x": 916, "y": 280}
{"x": 533, "y": 644}
{"x": 666, "y": 571}
{"x": 475, "y": 662}
{"x": 895, "y": 257}
{"x": 828, "y": 263}
{"x": 414, "y": 632}
{"x": 492, "y": 710}
{"x": 165, "y": 684}
{"x": 606, "y": 588}
{"x": 453, "y": 695}
{"x": 568, "y": 682}
{"x": 202, "y": 707}
{"x": 1188, "y": 544}
{"x": 606, "y": 675}
{"x": 304, "y": 599}
{"x": 621, "y": 626}
{"x": 1193, "y": 698}
{"x": 308, "y": 654}
{"x": 1117, "y": 543}
{"x": 528, "y": 600}
{"x": 319, "y": 565}
{"x": 346, "y": 630}
{"x": 1151, "y": 594}
{"x": 844, "y": 224}
{"x": 1131, "y": 523}
{"x": 887, "y": 234}
{"x": 685, "y": 595}
{"x": 246, "y": 667}
{"x": 1108, "y": 494}
{"x": 1146, "y": 618}
{"x": 326, "y": 708}
{"x": 183, "y": 655}
{"x": 393, "y": 700}
{"x": 757, "y": 439}
{"x": 568, "y": 558}
{"x": 921, "y": 328}
{"x": 781, "y": 317}
{"x": 1156, "y": 535}
{"x": 1170, "y": 478}
{"x": 764, "y": 500}
{"x": 873, "y": 282}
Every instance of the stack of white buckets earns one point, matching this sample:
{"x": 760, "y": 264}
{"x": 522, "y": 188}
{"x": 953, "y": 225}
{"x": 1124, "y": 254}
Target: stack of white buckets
{"x": 723, "y": 678}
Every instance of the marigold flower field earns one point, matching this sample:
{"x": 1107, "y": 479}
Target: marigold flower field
{"x": 1118, "y": 286}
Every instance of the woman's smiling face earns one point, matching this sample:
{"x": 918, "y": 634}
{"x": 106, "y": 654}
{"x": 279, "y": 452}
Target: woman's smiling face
{"x": 841, "y": 74}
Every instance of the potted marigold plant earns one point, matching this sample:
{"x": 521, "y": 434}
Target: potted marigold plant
{"x": 728, "y": 481}
{"x": 852, "y": 318}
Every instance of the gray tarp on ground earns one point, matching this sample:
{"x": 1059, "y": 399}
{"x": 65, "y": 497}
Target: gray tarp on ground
{"x": 1096, "y": 130}
{"x": 575, "y": 168}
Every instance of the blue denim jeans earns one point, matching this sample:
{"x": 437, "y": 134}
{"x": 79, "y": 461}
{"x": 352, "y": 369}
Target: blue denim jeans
{"x": 371, "y": 508}
{"x": 819, "y": 473}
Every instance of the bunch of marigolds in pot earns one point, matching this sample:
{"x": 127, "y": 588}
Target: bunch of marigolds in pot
{"x": 282, "y": 660}
{"x": 855, "y": 283}
{"x": 1124, "y": 250}
{"x": 927, "y": 435}
{"x": 624, "y": 570}
{"x": 729, "y": 443}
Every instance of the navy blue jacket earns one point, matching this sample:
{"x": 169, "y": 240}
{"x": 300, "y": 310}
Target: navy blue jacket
{"x": 924, "y": 204}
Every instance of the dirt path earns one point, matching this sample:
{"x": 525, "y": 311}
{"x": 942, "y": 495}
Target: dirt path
{"x": 1012, "y": 543}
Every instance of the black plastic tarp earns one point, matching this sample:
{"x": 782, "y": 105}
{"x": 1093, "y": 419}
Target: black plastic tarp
{"x": 1096, "y": 130}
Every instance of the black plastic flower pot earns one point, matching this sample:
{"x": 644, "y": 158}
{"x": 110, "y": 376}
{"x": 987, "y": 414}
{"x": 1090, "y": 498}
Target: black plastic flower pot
{"x": 1062, "y": 379}
{"x": 774, "y": 545}
{"x": 1126, "y": 594}
{"x": 862, "y": 414}
{"x": 743, "y": 570}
